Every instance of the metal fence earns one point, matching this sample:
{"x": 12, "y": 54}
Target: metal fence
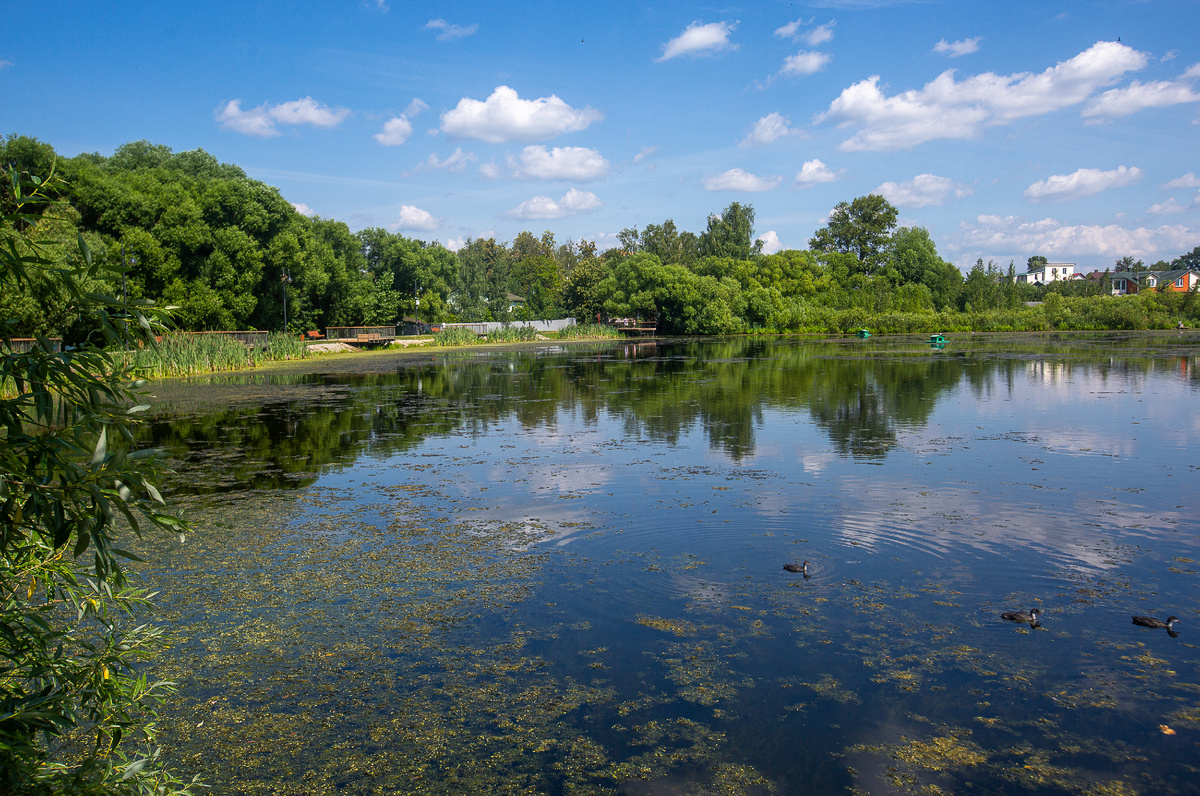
{"x": 487, "y": 327}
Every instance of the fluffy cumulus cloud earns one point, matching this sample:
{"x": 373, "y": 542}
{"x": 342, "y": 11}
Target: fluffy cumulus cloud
{"x": 699, "y": 39}
{"x": 1189, "y": 180}
{"x": 1084, "y": 182}
{"x": 950, "y": 108}
{"x": 1138, "y": 96}
{"x": 815, "y": 172}
{"x": 455, "y": 162}
{"x": 395, "y": 131}
{"x": 1065, "y": 241}
{"x": 448, "y": 31}
{"x": 923, "y": 190}
{"x": 572, "y": 203}
{"x": 262, "y": 121}
{"x": 739, "y": 180}
{"x": 304, "y": 209}
{"x": 414, "y": 219}
{"x": 768, "y": 129}
{"x": 805, "y": 62}
{"x": 956, "y": 48}
{"x": 1167, "y": 208}
{"x": 504, "y": 117}
{"x": 399, "y": 129}
{"x": 770, "y": 242}
{"x": 560, "y": 163}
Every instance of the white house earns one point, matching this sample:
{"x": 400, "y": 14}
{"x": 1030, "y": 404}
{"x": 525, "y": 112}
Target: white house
{"x": 1050, "y": 272}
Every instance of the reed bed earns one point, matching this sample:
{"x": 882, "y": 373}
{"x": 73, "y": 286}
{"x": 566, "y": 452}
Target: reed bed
{"x": 513, "y": 334}
{"x": 589, "y": 331}
{"x": 456, "y": 335}
{"x": 193, "y": 354}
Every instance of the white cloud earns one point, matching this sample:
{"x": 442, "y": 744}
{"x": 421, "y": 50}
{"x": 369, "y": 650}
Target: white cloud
{"x": 814, "y": 37}
{"x": 739, "y": 180}
{"x": 954, "y": 49}
{"x": 819, "y": 35}
{"x": 454, "y": 244}
{"x": 395, "y": 131}
{"x": 506, "y": 117}
{"x": 805, "y": 63}
{"x": 261, "y": 121}
{"x": 5, "y": 64}
{"x": 489, "y": 171}
{"x": 572, "y": 203}
{"x": 456, "y": 162}
{"x": 1189, "y": 180}
{"x": 644, "y": 153}
{"x": 1084, "y": 182}
{"x": 1138, "y": 96}
{"x": 414, "y": 219}
{"x": 922, "y": 191}
{"x": 768, "y": 129}
{"x": 770, "y": 242}
{"x": 1169, "y": 207}
{"x": 948, "y": 108}
{"x": 398, "y": 129}
{"x": 698, "y": 40}
{"x": 1054, "y": 239}
{"x": 304, "y": 209}
{"x": 449, "y": 31}
{"x": 560, "y": 163}
{"x": 814, "y": 172}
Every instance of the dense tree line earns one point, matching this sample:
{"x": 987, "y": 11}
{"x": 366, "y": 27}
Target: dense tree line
{"x": 228, "y": 251}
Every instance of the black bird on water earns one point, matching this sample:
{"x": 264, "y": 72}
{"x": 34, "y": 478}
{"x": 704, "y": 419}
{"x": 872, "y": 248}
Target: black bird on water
{"x": 801, "y": 568}
{"x": 1149, "y": 621}
{"x": 1033, "y": 616}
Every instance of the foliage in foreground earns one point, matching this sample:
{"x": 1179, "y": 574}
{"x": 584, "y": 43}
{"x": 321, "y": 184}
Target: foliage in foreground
{"x": 76, "y": 703}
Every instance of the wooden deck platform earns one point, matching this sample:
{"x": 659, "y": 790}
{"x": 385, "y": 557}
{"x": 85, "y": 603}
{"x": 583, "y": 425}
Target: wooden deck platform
{"x": 361, "y": 335}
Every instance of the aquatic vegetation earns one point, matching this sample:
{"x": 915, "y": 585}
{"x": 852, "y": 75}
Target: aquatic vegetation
{"x": 582, "y": 331}
{"x": 455, "y": 336}
{"x": 498, "y": 572}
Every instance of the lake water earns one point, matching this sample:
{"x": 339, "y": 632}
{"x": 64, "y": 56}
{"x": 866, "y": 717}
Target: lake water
{"x": 560, "y": 570}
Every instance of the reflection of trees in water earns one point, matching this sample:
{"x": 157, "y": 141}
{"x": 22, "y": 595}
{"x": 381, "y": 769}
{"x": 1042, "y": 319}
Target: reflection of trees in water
{"x": 859, "y": 396}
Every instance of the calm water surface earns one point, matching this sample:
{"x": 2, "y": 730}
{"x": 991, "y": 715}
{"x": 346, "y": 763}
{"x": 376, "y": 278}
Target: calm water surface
{"x": 560, "y": 570}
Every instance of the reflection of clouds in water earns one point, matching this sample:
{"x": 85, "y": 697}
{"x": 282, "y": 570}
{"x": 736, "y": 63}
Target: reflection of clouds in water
{"x": 815, "y": 462}
{"x": 940, "y": 520}
{"x": 1082, "y": 442}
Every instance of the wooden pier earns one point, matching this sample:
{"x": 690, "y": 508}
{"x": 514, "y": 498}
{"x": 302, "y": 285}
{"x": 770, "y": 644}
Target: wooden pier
{"x": 637, "y": 329}
{"x": 361, "y": 335}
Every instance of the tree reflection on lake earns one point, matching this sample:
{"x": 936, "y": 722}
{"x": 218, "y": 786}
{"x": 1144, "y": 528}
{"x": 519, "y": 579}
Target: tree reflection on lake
{"x": 560, "y": 570}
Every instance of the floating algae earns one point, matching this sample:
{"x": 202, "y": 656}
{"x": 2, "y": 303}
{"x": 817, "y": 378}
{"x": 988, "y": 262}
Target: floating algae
{"x": 413, "y": 606}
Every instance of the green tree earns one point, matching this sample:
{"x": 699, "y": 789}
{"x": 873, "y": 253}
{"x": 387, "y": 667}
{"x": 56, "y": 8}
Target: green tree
{"x": 75, "y": 698}
{"x": 670, "y": 245}
{"x": 980, "y": 290}
{"x": 730, "y": 234}
{"x": 863, "y": 228}
{"x": 1189, "y": 260}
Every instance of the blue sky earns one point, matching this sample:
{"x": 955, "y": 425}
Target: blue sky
{"x": 1067, "y": 129}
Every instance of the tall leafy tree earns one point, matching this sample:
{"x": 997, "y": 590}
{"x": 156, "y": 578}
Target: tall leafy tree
{"x": 730, "y": 234}
{"x": 862, "y": 227}
{"x": 1189, "y": 260}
